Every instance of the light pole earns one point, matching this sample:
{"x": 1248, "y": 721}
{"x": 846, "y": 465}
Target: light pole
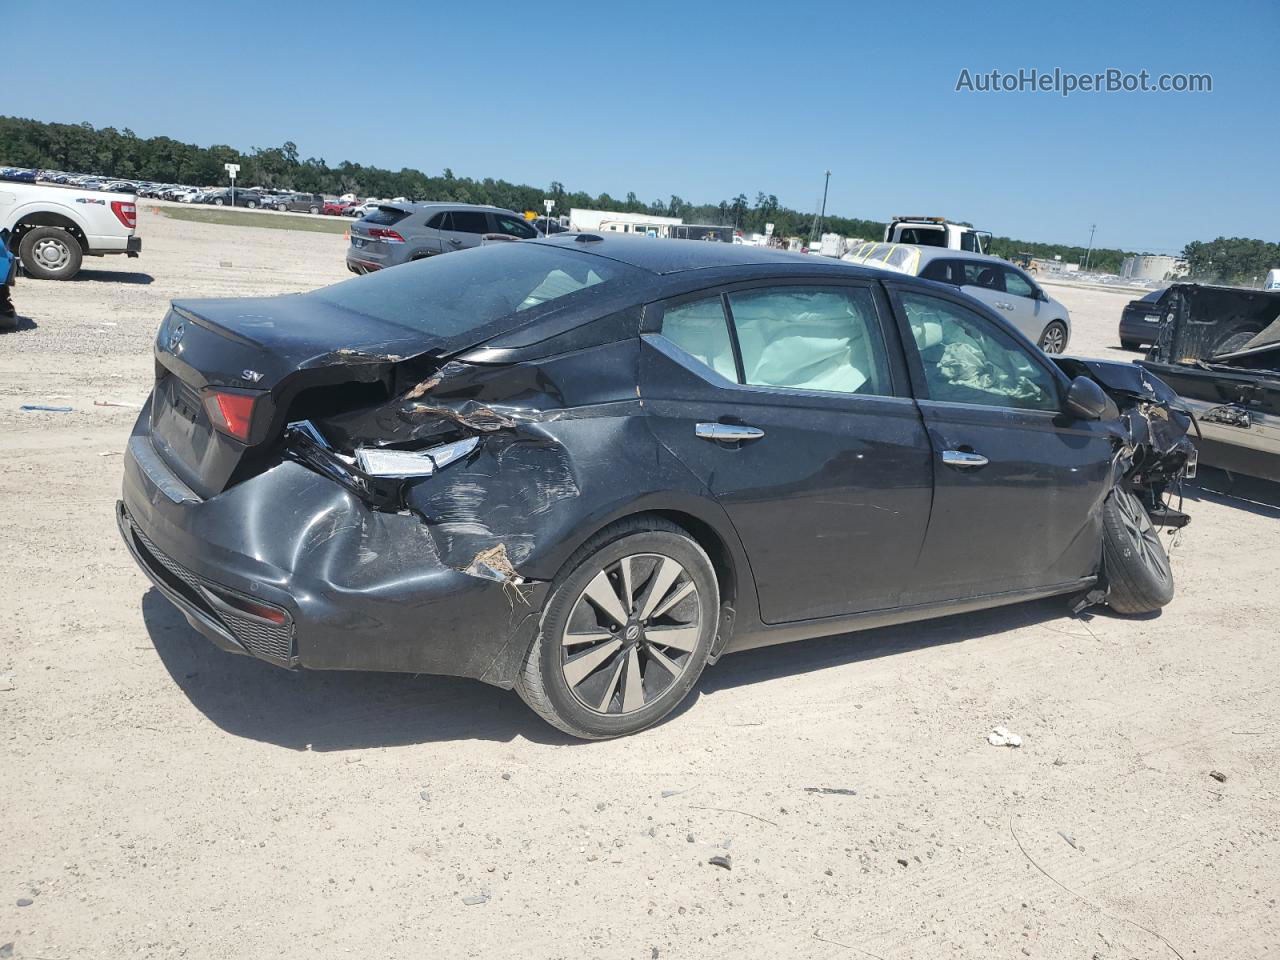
{"x": 1092, "y": 227}
{"x": 821, "y": 217}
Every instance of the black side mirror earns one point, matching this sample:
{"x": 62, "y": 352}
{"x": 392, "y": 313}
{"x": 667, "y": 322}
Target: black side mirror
{"x": 1085, "y": 399}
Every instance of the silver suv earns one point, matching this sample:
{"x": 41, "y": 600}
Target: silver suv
{"x": 396, "y": 233}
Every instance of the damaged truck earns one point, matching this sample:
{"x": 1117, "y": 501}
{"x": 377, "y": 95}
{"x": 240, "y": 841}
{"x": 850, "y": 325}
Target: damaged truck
{"x": 585, "y": 467}
{"x": 1219, "y": 348}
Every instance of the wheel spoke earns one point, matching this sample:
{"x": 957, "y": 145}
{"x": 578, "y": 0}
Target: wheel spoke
{"x": 663, "y": 660}
{"x": 611, "y": 687}
{"x": 600, "y": 592}
{"x": 661, "y": 582}
{"x": 684, "y": 639}
{"x": 573, "y": 639}
{"x": 578, "y": 668}
{"x": 679, "y": 594}
{"x": 633, "y": 691}
{"x": 628, "y": 584}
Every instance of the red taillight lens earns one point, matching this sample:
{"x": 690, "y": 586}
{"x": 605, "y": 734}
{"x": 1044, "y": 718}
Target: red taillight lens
{"x": 126, "y": 213}
{"x": 385, "y": 235}
{"x": 232, "y": 413}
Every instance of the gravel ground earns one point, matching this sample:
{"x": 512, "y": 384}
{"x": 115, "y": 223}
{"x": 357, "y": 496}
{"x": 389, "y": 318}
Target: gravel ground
{"x": 164, "y": 799}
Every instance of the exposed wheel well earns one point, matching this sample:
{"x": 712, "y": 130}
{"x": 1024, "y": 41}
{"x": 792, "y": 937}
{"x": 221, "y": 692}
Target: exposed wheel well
{"x": 47, "y": 219}
{"x": 717, "y": 550}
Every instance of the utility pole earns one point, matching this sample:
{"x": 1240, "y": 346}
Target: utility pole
{"x": 1092, "y": 227}
{"x": 820, "y": 218}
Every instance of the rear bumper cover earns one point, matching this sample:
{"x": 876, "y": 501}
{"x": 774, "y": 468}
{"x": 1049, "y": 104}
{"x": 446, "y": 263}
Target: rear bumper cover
{"x": 362, "y": 589}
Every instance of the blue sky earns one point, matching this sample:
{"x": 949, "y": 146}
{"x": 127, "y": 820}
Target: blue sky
{"x": 707, "y": 100}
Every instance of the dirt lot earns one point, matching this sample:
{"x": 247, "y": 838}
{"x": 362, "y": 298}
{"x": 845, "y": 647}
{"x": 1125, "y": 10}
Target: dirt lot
{"x": 164, "y": 799}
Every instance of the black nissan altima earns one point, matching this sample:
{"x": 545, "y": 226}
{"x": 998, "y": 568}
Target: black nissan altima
{"x": 586, "y": 467}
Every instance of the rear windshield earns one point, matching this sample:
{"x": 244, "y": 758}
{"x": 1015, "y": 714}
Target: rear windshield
{"x": 385, "y": 216}
{"x": 465, "y": 291}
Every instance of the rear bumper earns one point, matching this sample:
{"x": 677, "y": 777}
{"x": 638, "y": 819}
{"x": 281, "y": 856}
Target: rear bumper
{"x": 1137, "y": 329}
{"x": 359, "y": 589}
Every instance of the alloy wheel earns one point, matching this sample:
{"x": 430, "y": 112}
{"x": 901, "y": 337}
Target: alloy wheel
{"x": 50, "y": 253}
{"x": 631, "y": 634}
{"x": 1142, "y": 532}
{"x": 1054, "y": 339}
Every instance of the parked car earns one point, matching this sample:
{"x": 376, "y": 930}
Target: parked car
{"x": 225, "y": 198}
{"x": 585, "y": 467}
{"x": 1140, "y": 321}
{"x": 399, "y": 233}
{"x": 334, "y": 208}
{"x": 995, "y": 282}
{"x": 53, "y": 228}
{"x": 301, "y": 202}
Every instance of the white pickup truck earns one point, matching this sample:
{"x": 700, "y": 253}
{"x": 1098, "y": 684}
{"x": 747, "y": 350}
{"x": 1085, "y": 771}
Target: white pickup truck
{"x": 53, "y": 228}
{"x": 937, "y": 232}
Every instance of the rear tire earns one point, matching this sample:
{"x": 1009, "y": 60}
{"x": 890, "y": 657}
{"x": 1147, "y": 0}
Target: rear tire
{"x": 50, "y": 253}
{"x": 315, "y": 209}
{"x": 629, "y": 669}
{"x": 1137, "y": 568}
{"x": 1130, "y": 345}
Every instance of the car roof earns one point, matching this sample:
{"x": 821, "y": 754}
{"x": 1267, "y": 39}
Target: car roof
{"x": 929, "y": 254}
{"x": 411, "y": 207}
{"x": 662, "y": 255}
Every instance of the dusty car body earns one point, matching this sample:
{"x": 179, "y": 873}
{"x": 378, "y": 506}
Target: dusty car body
{"x": 1219, "y": 348}
{"x": 406, "y": 472}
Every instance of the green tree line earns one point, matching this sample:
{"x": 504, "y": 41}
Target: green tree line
{"x": 82, "y": 148}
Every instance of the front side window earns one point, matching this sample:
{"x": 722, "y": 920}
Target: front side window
{"x": 515, "y": 228}
{"x": 969, "y": 359}
{"x": 1018, "y": 285}
{"x": 700, "y": 330}
{"x": 811, "y": 338}
{"x": 969, "y": 242}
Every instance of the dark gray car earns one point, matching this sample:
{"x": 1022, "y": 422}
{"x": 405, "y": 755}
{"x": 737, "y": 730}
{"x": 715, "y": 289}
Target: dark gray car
{"x": 397, "y": 233}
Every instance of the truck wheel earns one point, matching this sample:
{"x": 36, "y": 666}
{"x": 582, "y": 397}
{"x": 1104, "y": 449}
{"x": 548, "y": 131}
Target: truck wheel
{"x": 50, "y": 253}
{"x": 1133, "y": 558}
{"x": 1129, "y": 345}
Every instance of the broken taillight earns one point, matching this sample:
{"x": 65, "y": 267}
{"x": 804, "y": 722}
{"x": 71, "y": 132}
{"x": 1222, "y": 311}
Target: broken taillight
{"x": 231, "y": 413}
{"x": 385, "y": 235}
{"x": 126, "y": 213}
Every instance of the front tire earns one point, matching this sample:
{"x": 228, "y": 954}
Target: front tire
{"x": 1139, "y": 577}
{"x": 1054, "y": 338}
{"x": 315, "y": 209}
{"x": 50, "y": 253}
{"x": 625, "y": 633}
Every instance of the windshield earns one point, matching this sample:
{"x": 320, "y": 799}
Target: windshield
{"x": 460, "y": 292}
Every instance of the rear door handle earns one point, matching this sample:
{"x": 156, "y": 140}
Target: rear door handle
{"x": 727, "y": 432}
{"x": 963, "y": 458}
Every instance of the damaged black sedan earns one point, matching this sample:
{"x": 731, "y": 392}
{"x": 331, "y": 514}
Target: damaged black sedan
{"x": 586, "y": 467}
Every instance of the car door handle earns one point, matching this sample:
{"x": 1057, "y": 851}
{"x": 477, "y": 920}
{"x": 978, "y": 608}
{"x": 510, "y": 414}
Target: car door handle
{"x": 963, "y": 458}
{"x": 727, "y": 432}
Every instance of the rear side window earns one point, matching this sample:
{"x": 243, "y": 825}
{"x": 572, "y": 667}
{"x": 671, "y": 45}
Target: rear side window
{"x": 811, "y": 338}
{"x": 701, "y": 330}
{"x": 474, "y": 289}
{"x": 439, "y": 222}
{"x": 470, "y": 221}
{"x": 385, "y": 216}
{"x": 939, "y": 270}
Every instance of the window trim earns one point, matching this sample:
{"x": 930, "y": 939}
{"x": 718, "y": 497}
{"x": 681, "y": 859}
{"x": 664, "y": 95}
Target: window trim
{"x": 885, "y": 323}
{"x": 915, "y": 366}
